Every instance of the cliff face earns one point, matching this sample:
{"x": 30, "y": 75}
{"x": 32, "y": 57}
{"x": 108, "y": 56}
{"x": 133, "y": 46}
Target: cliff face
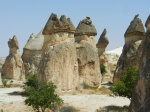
{"x": 13, "y": 67}
{"x": 132, "y": 49}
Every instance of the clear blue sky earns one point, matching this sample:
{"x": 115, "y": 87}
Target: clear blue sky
{"x": 23, "y": 17}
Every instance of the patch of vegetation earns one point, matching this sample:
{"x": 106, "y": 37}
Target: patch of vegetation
{"x": 104, "y": 90}
{"x": 68, "y": 109}
{"x": 113, "y": 108}
{"x": 125, "y": 85}
{"x": 103, "y": 69}
{"x": 5, "y": 82}
{"x": 41, "y": 96}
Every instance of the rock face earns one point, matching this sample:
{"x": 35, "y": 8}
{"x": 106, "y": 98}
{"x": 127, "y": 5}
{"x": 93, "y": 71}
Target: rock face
{"x": 132, "y": 49}
{"x": 141, "y": 94}
{"x": 88, "y": 61}
{"x": 13, "y": 67}
{"x": 59, "y": 59}
{"x": 101, "y": 45}
{"x": 32, "y": 53}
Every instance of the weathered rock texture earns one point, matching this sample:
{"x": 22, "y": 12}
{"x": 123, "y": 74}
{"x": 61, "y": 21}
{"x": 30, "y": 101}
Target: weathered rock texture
{"x": 141, "y": 95}
{"x": 101, "y": 45}
{"x": 13, "y": 67}
{"x": 132, "y": 49}
{"x": 87, "y": 56}
{"x": 59, "y": 60}
{"x": 135, "y": 31}
{"x": 32, "y": 53}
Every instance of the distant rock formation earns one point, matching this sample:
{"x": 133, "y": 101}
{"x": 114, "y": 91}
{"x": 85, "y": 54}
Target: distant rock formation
{"x": 141, "y": 95}
{"x": 87, "y": 56}
{"x": 101, "y": 45}
{"x": 13, "y": 67}
{"x": 59, "y": 61}
{"x": 132, "y": 49}
{"x": 32, "y": 52}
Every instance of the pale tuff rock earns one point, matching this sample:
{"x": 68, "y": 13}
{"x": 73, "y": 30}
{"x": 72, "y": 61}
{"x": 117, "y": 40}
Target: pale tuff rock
{"x": 132, "y": 49}
{"x": 135, "y": 31}
{"x": 141, "y": 94}
{"x": 101, "y": 45}
{"x": 13, "y": 67}
{"x": 59, "y": 61}
{"x": 32, "y": 53}
{"x": 88, "y": 61}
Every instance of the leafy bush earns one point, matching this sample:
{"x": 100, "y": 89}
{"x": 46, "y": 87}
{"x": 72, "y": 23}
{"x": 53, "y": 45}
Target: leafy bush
{"x": 103, "y": 69}
{"x": 43, "y": 97}
{"x": 125, "y": 85}
{"x": 4, "y": 81}
{"x": 68, "y": 109}
{"x": 31, "y": 82}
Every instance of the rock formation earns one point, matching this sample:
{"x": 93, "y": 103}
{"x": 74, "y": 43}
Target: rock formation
{"x": 131, "y": 53}
{"x": 87, "y": 56}
{"x": 101, "y": 45}
{"x": 59, "y": 61}
{"x": 13, "y": 67}
{"x": 32, "y": 53}
{"x": 141, "y": 95}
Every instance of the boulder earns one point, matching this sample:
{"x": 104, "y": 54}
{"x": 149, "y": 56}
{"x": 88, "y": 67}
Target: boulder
{"x": 132, "y": 49}
{"x": 59, "y": 60}
{"x": 87, "y": 56}
{"x": 13, "y": 67}
{"x": 140, "y": 101}
{"x": 32, "y": 52}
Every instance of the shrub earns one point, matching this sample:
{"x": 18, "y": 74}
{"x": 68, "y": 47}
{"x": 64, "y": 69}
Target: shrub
{"x": 4, "y": 81}
{"x": 43, "y": 97}
{"x": 68, "y": 109}
{"x": 125, "y": 85}
{"x": 102, "y": 69}
{"x": 31, "y": 82}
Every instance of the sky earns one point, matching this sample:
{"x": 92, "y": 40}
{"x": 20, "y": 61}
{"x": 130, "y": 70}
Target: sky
{"x": 24, "y": 17}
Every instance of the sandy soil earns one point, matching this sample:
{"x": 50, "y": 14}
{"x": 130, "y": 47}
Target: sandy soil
{"x": 11, "y": 102}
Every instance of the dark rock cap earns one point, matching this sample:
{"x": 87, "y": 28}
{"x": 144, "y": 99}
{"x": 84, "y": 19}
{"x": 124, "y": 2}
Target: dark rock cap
{"x": 85, "y": 27}
{"x": 135, "y": 28}
{"x": 147, "y": 21}
{"x": 103, "y": 40}
{"x": 13, "y": 43}
{"x": 55, "y": 25}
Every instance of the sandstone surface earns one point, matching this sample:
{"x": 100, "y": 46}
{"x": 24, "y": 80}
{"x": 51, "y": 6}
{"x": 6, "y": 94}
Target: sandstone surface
{"x": 13, "y": 67}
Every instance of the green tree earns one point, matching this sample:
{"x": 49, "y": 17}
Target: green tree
{"x": 125, "y": 85}
{"x": 43, "y": 97}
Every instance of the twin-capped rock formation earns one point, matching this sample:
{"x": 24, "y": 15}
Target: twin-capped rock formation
{"x": 87, "y": 57}
{"x": 32, "y": 52}
{"x": 141, "y": 95}
{"x": 13, "y": 67}
{"x": 132, "y": 49}
{"x": 66, "y": 63}
{"x": 101, "y": 45}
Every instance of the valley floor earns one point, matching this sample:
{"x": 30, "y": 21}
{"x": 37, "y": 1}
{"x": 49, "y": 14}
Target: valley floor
{"x": 10, "y": 101}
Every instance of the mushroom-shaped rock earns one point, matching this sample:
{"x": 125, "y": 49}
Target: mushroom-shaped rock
{"x": 55, "y": 25}
{"x": 13, "y": 67}
{"x": 103, "y": 40}
{"x": 72, "y": 27}
{"x": 85, "y": 27}
{"x": 147, "y": 24}
{"x": 135, "y": 31}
